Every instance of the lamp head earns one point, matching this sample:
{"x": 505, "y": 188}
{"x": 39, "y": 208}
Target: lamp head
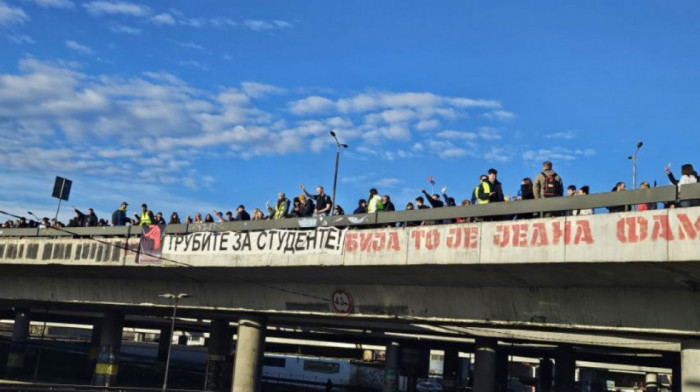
{"x": 333, "y": 133}
{"x": 630, "y": 157}
{"x": 344, "y": 145}
{"x": 640, "y": 144}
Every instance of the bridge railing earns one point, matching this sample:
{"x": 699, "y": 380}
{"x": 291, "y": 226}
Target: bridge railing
{"x": 540, "y": 206}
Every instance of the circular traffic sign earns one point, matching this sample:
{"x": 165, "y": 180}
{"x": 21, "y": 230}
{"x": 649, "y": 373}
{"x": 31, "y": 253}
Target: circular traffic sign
{"x": 341, "y": 302}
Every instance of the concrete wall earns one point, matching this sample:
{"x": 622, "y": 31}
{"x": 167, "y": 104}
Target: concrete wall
{"x": 650, "y": 236}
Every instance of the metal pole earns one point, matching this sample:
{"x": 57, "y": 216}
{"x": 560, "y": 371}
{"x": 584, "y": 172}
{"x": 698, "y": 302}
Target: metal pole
{"x": 58, "y": 209}
{"x": 634, "y": 170}
{"x": 335, "y": 177}
{"x": 170, "y": 345}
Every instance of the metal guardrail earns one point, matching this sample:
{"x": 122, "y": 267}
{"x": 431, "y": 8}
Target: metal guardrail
{"x": 598, "y": 200}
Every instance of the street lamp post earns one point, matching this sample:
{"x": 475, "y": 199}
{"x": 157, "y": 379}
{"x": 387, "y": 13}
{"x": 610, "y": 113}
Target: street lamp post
{"x": 634, "y": 165}
{"x": 177, "y": 298}
{"x": 335, "y": 174}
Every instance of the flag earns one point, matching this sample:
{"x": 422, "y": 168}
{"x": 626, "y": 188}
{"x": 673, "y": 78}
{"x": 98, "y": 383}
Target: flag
{"x": 430, "y": 180}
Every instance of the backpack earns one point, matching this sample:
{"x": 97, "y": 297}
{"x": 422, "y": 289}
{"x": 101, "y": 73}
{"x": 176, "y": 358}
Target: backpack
{"x": 115, "y": 218}
{"x": 551, "y": 187}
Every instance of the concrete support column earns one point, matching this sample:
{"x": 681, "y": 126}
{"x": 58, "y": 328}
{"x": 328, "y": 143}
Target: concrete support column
{"x": 107, "y": 366}
{"x": 165, "y": 339}
{"x": 95, "y": 336}
{"x": 450, "y": 370}
{"x": 502, "y": 372}
{"x": 651, "y": 382}
{"x": 485, "y": 365}
{"x": 545, "y": 375}
{"x": 391, "y": 367}
{"x": 18, "y": 344}
{"x": 565, "y": 369}
{"x": 676, "y": 376}
{"x": 690, "y": 363}
{"x": 218, "y": 376}
{"x": 249, "y": 354}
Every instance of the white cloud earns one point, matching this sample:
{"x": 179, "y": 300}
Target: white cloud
{"x": 501, "y": 115}
{"x": 193, "y": 46}
{"x": 488, "y": 133}
{"x": 265, "y": 25}
{"x": 163, "y": 19}
{"x": 11, "y": 15}
{"x": 72, "y": 45}
{"x": 259, "y": 90}
{"x": 566, "y": 135}
{"x": 457, "y": 135}
{"x": 557, "y": 154}
{"x": 311, "y": 105}
{"x": 20, "y": 39}
{"x": 496, "y": 154}
{"x": 192, "y": 64}
{"x": 102, "y": 7}
{"x": 387, "y": 182}
{"x": 427, "y": 125}
{"x": 122, "y": 29}
{"x": 453, "y": 153}
{"x": 53, "y": 3}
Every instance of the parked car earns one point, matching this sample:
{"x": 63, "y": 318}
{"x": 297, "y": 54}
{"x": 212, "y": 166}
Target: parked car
{"x": 428, "y": 386}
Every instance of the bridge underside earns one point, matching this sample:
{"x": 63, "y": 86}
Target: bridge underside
{"x": 639, "y": 300}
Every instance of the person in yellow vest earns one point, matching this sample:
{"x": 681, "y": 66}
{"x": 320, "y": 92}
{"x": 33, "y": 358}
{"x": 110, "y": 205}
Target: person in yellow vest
{"x": 374, "y": 202}
{"x": 145, "y": 217}
{"x": 281, "y": 207}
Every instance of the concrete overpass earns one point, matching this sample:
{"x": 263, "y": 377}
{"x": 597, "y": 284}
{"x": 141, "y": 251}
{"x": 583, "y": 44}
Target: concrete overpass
{"x": 625, "y": 281}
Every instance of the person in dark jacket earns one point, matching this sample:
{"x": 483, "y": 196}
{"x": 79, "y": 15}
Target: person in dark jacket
{"x": 119, "y": 215}
{"x": 619, "y": 187}
{"x": 361, "y": 207}
{"x": 307, "y": 207}
{"x": 388, "y": 205}
{"x": 434, "y": 200}
{"x": 242, "y": 214}
{"x": 495, "y": 193}
{"x": 449, "y": 201}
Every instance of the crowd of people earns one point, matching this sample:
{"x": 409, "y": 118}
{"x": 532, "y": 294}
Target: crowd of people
{"x": 547, "y": 184}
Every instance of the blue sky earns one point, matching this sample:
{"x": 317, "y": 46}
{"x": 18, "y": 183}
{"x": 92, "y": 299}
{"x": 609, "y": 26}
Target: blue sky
{"x": 196, "y": 105}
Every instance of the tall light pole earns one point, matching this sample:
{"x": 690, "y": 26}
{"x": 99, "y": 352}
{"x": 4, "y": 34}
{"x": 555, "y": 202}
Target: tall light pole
{"x": 335, "y": 175}
{"x": 634, "y": 165}
{"x": 177, "y": 298}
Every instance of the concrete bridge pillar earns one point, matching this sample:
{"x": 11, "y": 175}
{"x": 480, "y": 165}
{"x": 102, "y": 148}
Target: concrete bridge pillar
{"x": 107, "y": 366}
{"x": 502, "y": 371}
{"x": 565, "y": 369}
{"x": 18, "y": 344}
{"x": 247, "y": 368}
{"x": 690, "y": 365}
{"x": 651, "y": 382}
{"x": 676, "y": 375}
{"x": 95, "y": 336}
{"x": 165, "y": 339}
{"x": 391, "y": 367}
{"x": 219, "y": 369}
{"x": 545, "y": 375}
{"x": 485, "y": 364}
{"x": 450, "y": 370}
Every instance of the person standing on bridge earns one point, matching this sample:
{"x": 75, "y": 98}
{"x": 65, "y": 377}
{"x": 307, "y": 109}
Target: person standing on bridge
{"x": 146, "y": 218}
{"x": 490, "y": 190}
{"x": 242, "y": 214}
{"x": 281, "y": 207}
{"x": 374, "y": 202}
{"x": 548, "y": 183}
{"x": 688, "y": 176}
{"x": 323, "y": 201}
{"x": 119, "y": 215}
